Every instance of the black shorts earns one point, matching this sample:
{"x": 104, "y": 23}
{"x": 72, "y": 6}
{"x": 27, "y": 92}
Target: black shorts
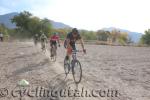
{"x": 53, "y": 43}
{"x": 73, "y": 46}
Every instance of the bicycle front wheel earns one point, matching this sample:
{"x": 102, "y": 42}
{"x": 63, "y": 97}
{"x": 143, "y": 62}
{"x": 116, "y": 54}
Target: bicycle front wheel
{"x": 43, "y": 47}
{"x": 53, "y": 54}
{"x": 66, "y": 66}
{"x": 76, "y": 71}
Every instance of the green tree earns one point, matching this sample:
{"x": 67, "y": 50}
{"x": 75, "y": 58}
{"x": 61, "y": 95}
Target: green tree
{"x": 103, "y": 35}
{"x": 22, "y": 20}
{"x": 4, "y": 29}
{"x": 28, "y": 25}
{"x": 34, "y": 26}
{"x": 123, "y": 38}
{"x": 115, "y": 35}
{"x": 146, "y": 37}
{"x": 46, "y": 26}
{"x": 62, "y": 32}
{"x": 88, "y": 35}
{"x": 83, "y": 34}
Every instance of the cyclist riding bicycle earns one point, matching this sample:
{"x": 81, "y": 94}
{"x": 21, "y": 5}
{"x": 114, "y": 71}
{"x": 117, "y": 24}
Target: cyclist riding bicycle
{"x": 43, "y": 40}
{"x": 35, "y": 38}
{"x": 1, "y": 37}
{"x": 70, "y": 41}
{"x": 53, "y": 41}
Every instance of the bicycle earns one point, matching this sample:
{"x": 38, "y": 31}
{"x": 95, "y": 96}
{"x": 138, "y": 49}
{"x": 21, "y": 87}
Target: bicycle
{"x": 43, "y": 46}
{"x": 75, "y": 66}
{"x": 35, "y": 42}
{"x": 53, "y": 53}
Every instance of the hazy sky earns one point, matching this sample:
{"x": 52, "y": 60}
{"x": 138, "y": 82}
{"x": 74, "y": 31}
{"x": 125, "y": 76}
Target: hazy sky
{"x": 133, "y": 15}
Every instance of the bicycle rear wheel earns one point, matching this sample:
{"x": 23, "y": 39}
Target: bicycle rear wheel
{"x": 53, "y": 54}
{"x": 76, "y": 71}
{"x": 43, "y": 47}
{"x": 66, "y": 66}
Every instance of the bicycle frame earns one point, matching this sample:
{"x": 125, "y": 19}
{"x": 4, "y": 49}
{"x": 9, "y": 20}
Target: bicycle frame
{"x": 74, "y": 54}
{"x": 71, "y": 66}
{"x": 53, "y": 48}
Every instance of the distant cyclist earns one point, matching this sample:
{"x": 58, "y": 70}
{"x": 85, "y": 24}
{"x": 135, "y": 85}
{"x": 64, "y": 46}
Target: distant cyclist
{"x": 1, "y": 37}
{"x": 53, "y": 41}
{"x": 36, "y": 38}
{"x": 70, "y": 41}
{"x": 43, "y": 40}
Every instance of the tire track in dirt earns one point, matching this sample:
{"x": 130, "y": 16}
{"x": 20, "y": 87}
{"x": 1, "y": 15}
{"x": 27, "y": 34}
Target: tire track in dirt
{"x": 61, "y": 82}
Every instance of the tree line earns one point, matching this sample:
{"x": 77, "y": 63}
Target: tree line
{"x": 28, "y": 25}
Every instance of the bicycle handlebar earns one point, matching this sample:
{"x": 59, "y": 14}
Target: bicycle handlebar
{"x": 77, "y": 51}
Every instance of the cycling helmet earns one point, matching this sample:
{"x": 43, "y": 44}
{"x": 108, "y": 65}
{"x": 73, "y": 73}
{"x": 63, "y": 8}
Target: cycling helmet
{"x": 74, "y": 30}
{"x": 55, "y": 33}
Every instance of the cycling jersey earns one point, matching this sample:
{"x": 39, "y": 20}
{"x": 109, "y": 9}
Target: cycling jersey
{"x": 72, "y": 40}
{"x": 43, "y": 38}
{"x": 54, "y": 38}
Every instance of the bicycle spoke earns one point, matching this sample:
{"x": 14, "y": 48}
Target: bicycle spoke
{"x": 77, "y": 71}
{"x": 66, "y": 66}
{"x": 53, "y": 54}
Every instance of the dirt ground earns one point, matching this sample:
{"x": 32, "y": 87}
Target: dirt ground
{"x": 109, "y": 73}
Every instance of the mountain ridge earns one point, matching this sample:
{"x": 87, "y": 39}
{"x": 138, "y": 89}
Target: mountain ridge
{"x": 5, "y": 19}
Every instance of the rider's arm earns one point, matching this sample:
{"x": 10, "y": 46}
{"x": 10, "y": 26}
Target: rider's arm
{"x": 58, "y": 40}
{"x": 82, "y": 43}
{"x": 68, "y": 43}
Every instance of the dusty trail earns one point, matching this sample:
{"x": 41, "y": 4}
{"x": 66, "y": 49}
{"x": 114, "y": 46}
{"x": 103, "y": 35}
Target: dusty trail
{"x": 125, "y": 69}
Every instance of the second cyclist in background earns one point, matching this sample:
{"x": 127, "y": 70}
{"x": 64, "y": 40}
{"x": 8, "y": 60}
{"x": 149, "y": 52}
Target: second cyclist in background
{"x": 35, "y": 39}
{"x": 43, "y": 39}
{"x": 53, "y": 42}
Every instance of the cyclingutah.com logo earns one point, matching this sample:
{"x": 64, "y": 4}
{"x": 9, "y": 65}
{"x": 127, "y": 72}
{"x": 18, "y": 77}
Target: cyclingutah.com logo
{"x": 3, "y": 92}
{"x": 42, "y": 92}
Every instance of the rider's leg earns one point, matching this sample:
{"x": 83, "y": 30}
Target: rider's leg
{"x": 73, "y": 47}
{"x": 51, "y": 49}
{"x": 55, "y": 47}
{"x": 69, "y": 52}
{"x": 67, "y": 55}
